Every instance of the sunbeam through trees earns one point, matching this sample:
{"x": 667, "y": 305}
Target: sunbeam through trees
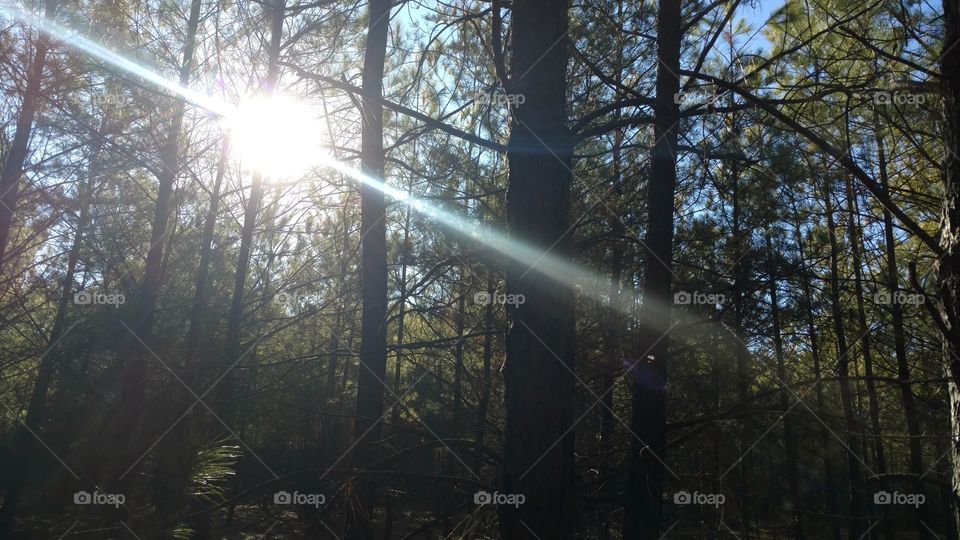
{"x": 518, "y": 269}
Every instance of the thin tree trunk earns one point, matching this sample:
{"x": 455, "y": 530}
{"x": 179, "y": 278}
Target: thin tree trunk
{"x": 401, "y": 317}
{"x": 740, "y": 279}
{"x": 484, "y": 404}
{"x": 133, "y": 353}
{"x": 373, "y": 270}
{"x": 854, "y": 476}
{"x": 856, "y": 245}
{"x": 201, "y": 285}
{"x": 875, "y": 439}
{"x": 611, "y": 337}
{"x": 458, "y": 365}
{"x": 335, "y": 345}
{"x": 899, "y": 336}
{"x": 825, "y": 440}
{"x": 649, "y": 376}
{"x": 175, "y": 450}
{"x": 19, "y": 147}
{"x": 224, "y": 404}
{"x": 538, "y": 453}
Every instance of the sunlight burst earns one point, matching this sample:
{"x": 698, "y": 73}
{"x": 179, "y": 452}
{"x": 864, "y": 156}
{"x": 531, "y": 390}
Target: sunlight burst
{"x": 278, "y": 136}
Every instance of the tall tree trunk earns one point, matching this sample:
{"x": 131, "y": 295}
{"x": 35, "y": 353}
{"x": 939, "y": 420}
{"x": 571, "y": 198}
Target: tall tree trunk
{"x": 874, "y": 438}
{"x": 649, "y": 376}
{"x": 19, "y": 147}
{"x": 907, "y": 400}
{"x": 856, "y": 245}
{"x": 224, "y": 404}
{"x": 538, "y": 458}
{"x": 854, "y": 476}
{"x": 740, "y": 296}
{"x": 949, "y": 263}
{"x": 612, "y": 334}
{"x": 335, "y": 345}
{"x": 373, "y": 269}
{"x": 176, "y": 450}
{"x": 133, "y": 353}
{"x": 201, "y": 285}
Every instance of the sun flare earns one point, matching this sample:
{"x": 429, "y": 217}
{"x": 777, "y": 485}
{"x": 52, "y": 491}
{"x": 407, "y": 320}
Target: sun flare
{"x": 275, "y": 135}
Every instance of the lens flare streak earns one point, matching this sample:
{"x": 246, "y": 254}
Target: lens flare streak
{"x": 559, "y": 269}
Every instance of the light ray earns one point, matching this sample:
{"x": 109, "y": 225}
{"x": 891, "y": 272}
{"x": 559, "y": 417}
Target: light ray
{"x": 85, "y": 44}
{"x": 559, "y": 269}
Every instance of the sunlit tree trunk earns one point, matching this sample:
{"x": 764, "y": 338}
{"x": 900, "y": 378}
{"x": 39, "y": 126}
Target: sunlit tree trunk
{"x": 949, "y": 262}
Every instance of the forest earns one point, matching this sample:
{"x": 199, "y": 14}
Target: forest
{"x": 480, "y": 269}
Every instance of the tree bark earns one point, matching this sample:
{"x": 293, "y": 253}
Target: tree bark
{"x": 949, "y": 263}
{"x": 538, "y": 458}
{"x": 648, "y": 378}
{"x": 373, "y": 269}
